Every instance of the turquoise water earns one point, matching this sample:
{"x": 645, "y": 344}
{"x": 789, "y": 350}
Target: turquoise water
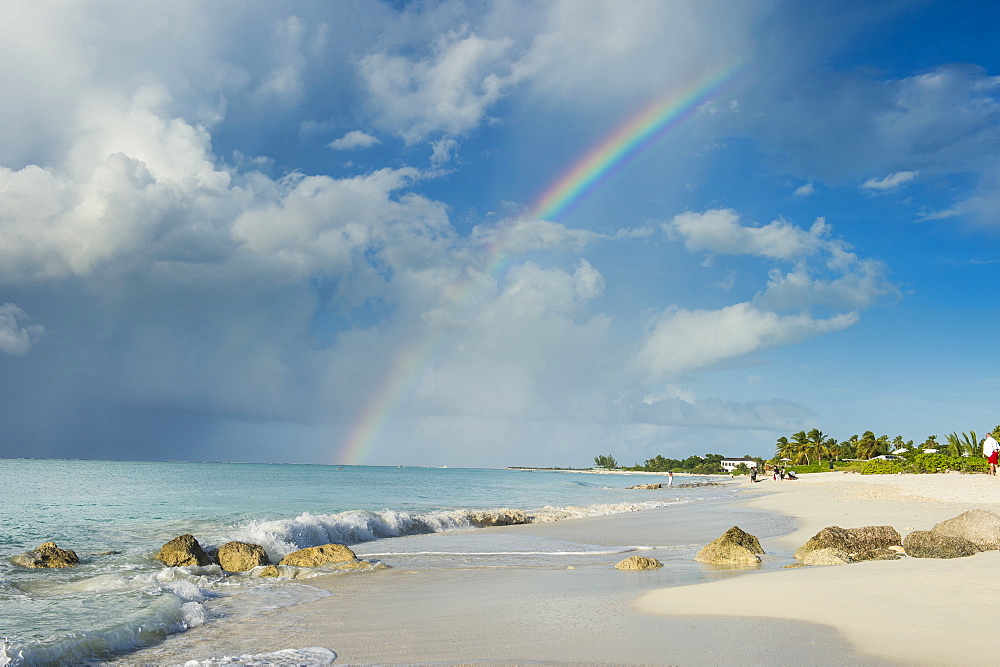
{"x": 113, "y": 602}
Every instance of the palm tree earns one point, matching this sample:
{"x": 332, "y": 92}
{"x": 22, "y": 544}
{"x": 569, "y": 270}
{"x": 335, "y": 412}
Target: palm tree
{"x": 817, "y": 444}
{"x": 782, "y": 448}
{"x": 848, "y": 448}
{"x": 801, "y": 446}
{"x": 964, "y": 444}
{"x": 954, "y": 446}
{"x": 869, "y": 446}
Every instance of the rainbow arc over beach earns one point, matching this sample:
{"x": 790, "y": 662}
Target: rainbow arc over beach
{"x": 628, "y": 141}
{"x": 583, "y": 177}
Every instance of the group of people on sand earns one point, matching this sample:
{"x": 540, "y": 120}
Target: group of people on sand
{"x": 776, "y": 472}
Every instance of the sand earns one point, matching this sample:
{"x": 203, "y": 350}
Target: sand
{"x": 910, "y": 611}
{"x": 916, "y": 611}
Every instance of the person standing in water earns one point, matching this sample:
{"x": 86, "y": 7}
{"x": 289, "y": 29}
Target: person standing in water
{"x": 670, "y": 478}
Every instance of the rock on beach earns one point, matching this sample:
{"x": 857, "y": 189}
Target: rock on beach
{"x": 241, "y": 556}
{"x": 183, "y": 551}
{"x": 47, "y": 555}
{"x": 980, "y": 527}
{"x": 835, "y": 545}
{"x": 734, "y": 547}
{"x": 928, "y": 544}
{"x": 321, "y": 555}
{"x": 638, "y": 563}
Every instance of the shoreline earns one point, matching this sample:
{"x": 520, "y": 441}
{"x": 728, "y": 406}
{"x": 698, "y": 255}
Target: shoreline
{"x": 877, "y": 612}
{"x": 570, "y": 610}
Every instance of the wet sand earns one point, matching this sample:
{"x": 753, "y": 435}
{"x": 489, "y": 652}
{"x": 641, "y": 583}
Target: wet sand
{"x": 564, "y": 613}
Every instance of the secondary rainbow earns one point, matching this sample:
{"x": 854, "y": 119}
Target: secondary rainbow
{"x": 571, "y": 188}
{"x": 629, "y": 140}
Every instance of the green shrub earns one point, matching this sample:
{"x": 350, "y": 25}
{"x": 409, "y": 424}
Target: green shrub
{"x": 881, "y": 467}
{"x": 974, "y": 464}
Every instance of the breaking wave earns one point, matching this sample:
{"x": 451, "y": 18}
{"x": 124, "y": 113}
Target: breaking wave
{"x": 283, "y": 536}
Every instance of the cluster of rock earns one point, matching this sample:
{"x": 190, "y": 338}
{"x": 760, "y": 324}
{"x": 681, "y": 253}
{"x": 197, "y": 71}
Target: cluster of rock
{"x": 964, "y": 535}
{"x": 967, "y": 534}
{"x": 185, "y": 551}
{"x": 645, "y": 486}
{"x": 242, "y": 556}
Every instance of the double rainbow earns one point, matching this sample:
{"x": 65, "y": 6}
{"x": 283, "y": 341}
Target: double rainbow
{"x": 583, "y": 178}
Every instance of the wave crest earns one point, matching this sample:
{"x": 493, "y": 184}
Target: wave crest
{"x": 282, "y": 536}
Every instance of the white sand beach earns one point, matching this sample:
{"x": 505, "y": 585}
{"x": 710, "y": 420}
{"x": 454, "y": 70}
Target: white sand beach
{"x": 914, "y": 610}
{"x": 909, "y": 611}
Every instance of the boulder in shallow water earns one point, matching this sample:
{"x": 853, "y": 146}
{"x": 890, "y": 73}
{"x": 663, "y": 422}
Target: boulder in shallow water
{"x": 638, "y": 563}
{"x": 183, "y": 551}
{"x": 47, "y": 555}
{"x": 645, "y": 486}
{"x": 928, "y": 544}
{"x": 500, "y": 517}
{"x": 836, "y": 545}
{"x": 321, "y": 555}
{"x": 734, "y": 547}
{"x": 980, "y": 527}
{"x": 241, "y": 556}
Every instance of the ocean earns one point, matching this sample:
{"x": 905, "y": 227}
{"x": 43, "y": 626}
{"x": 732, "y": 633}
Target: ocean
{"x": 116, "y": 515}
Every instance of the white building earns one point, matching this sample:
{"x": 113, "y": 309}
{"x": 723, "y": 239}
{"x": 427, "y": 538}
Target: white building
{"x": 731, "y": 464}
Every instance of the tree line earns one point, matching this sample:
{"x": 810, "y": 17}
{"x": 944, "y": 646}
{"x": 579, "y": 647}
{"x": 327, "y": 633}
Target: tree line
{"x": 705, "y": 465}
{"x": 815, "y": 446}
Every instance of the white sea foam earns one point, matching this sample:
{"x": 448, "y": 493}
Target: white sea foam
{"x": 283, "y": 536}
{"x": 290, "y": 656}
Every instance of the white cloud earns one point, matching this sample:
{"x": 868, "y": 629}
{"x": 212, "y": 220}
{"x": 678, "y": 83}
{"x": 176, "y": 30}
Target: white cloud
{"x": 443, "y": 152}
{"x": 523, "y": 235}
{"x": 856, "y": 285}
{"x": 353, "y": 140}
{"x": 447, "y": 92}
{"x": 684, "y": 340}
{"x": 805, "y": 190}
{"x": 16, "y": 337}
{"x": 891, "y": 182}
{"x": 720, "y": 231}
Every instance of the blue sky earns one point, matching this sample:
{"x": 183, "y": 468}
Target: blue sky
{"x": 302, "y": 231}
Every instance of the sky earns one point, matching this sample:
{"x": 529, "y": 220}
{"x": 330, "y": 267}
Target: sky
{"x": 488, "y": 234}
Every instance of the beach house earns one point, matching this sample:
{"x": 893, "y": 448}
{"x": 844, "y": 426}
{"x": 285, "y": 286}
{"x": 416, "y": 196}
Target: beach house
{"x": 728, "y": 465}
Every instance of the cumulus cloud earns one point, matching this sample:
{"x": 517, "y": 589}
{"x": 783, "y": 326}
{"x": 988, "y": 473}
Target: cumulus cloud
{"x": 720, "y": 231}
{"x": 353, "y": 140}
{"x": 682, "y": 340}
{"x": 448, "y": 91}
{"x": 16, "y": 336}
{"x": 891, "y": 182}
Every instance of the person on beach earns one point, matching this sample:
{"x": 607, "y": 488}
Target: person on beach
{"x": 670, "y": 478}
{"x": 991, "y": 450}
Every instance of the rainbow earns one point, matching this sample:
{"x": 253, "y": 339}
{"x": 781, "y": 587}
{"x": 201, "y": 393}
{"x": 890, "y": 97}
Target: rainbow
{"x": 628, "y": 141}
{"x": 568, "y": 190}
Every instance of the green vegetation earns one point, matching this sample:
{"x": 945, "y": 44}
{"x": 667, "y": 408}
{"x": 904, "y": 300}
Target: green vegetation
{"x": 710, "y": 464}
{"x": 805, "y": 452}
{"x": 605, "y": 462}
